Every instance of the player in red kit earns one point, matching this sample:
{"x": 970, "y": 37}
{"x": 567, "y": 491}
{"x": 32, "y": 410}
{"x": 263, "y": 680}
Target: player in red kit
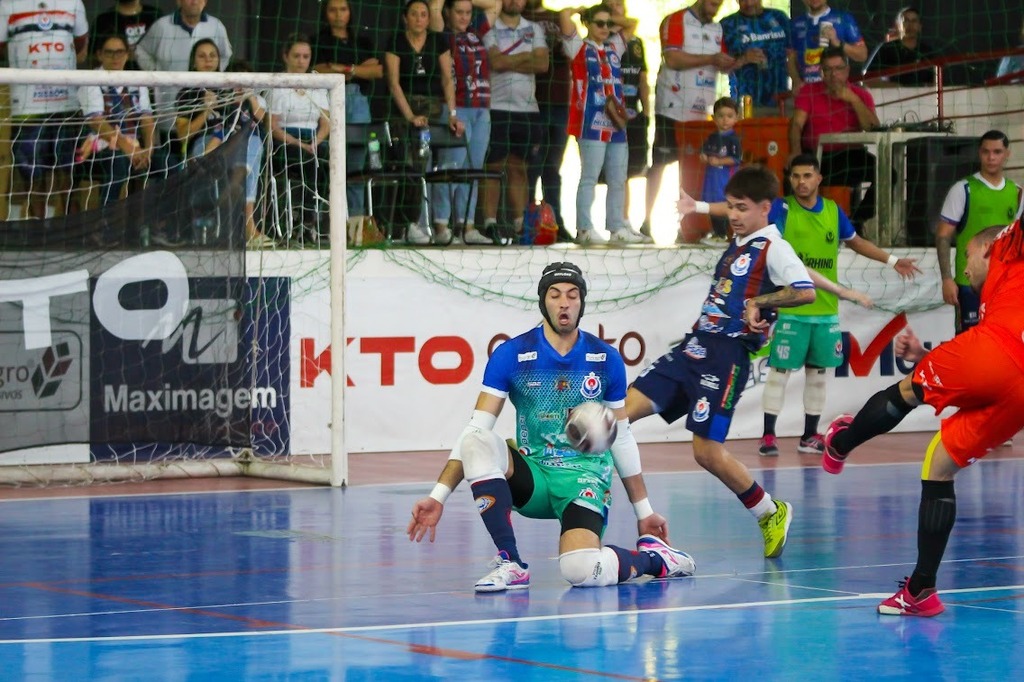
{"x": 982, "y": 373}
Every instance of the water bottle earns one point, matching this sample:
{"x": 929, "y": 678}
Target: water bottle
{"x": 373, "y": 148}
{"x": 201, "y": 231}
{"x": 424, "y": 142}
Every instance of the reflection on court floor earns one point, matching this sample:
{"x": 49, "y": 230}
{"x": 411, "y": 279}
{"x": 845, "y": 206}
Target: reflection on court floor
{"x": 322, "y": 584}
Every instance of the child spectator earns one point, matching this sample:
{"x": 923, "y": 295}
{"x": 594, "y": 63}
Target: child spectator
{"x": 721, "y": 154}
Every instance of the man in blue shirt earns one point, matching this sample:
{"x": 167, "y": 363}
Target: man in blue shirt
{"x": 820, "y": 28}
{"x": 759, "y": 39}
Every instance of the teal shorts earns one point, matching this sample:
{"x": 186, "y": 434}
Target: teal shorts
{"x": 796, "y": 344}
{"x": 555, "y": 488}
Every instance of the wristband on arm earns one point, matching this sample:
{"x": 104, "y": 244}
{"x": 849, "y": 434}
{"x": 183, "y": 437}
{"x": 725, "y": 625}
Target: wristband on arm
{"x": 643, "y": 509}
{"x": 440, "y": 492}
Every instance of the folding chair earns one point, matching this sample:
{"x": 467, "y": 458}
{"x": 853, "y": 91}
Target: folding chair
{"x": 396, "y": 172}
{"x": 441, "y": 138}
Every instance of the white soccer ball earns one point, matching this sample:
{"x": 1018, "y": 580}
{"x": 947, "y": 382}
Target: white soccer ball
{"x": 591, "y": 428}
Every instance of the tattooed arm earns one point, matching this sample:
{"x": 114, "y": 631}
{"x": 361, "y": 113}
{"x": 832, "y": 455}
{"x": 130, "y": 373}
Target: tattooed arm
{"x": 786, "y": 297}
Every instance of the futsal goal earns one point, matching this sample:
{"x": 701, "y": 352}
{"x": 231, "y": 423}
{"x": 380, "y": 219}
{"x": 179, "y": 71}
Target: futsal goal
{"x": 138, "y": 336}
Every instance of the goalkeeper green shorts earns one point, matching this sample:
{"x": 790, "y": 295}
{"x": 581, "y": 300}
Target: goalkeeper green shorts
{"x": 555, "y": 488}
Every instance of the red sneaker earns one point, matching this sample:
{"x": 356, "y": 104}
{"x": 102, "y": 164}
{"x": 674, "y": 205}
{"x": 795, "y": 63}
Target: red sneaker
{"x": 768, "y": 447}
{"x": 926, "y": 604}
{"x": 832, "y": 461}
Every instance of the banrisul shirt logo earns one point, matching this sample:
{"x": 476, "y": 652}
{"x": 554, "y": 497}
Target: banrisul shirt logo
{"x": 591, "y": 387}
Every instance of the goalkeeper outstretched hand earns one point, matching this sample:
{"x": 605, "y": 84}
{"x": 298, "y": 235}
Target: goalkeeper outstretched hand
{"x": 426, "y": 514}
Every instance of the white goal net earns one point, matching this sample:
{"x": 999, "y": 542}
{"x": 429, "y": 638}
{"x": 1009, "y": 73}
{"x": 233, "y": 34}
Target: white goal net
{"x": 139, "y": 335}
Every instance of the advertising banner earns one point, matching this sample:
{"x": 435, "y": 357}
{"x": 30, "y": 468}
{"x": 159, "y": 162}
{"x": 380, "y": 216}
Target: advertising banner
{"x": 416, "y": 351}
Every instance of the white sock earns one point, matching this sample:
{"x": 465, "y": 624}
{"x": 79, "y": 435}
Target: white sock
{"x": 765, "y": 507}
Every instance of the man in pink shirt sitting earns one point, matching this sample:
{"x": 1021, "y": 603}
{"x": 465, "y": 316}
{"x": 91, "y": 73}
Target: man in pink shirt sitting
{"x": 835, "y": 106}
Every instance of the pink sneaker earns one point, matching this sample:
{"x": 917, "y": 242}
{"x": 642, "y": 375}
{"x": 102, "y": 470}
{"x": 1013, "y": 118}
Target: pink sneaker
{"x": 677, "y": 562}
{"x": 832, "y": 461}
{"x": 768, "y": 447}
{"x": 926, "y": 604}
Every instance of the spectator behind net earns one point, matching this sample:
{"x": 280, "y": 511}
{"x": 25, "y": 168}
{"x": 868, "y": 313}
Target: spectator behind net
{"x": 903, "y": 46}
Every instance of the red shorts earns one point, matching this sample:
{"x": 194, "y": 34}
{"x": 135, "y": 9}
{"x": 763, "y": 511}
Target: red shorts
{"x": 973, "y": 372}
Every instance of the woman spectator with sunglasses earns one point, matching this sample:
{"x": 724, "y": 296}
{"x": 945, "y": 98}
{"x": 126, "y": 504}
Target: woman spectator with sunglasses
{"x": 597, "y": 118}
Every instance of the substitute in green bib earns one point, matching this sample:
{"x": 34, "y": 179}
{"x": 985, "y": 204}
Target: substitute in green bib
{"x": 985, "y": 199}
{"x": 809, "y": 336}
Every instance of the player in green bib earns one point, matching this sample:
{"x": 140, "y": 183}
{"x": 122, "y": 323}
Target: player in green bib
{"x": 982, "y": 200}
{"x": 809, "y": 336}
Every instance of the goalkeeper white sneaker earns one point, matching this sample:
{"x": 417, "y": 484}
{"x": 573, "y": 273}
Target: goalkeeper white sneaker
{"x": 505, "y": 575}
{"x": 677, "y": 562}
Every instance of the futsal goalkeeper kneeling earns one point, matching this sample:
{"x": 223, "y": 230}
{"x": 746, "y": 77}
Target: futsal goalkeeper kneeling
{"x": 545, "y": 373}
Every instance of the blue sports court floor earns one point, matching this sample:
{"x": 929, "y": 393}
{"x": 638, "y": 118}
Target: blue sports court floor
{"x": 319, "y": 584}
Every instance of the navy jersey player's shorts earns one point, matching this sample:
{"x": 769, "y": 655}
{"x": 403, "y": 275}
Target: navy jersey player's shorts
{"x": 701, "y": 378}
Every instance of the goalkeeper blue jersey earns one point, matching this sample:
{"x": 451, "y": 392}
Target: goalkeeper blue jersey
{"x": 544, "y": 385}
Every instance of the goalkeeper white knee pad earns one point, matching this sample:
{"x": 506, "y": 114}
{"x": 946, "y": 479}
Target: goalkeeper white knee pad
{"x": 484, "y": 455}
{"x": 590, "y": 567}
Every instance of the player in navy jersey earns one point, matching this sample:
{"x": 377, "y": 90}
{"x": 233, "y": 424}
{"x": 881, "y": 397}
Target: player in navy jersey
{"x": 759, "y": 39}
{"x": 545, "y": 373}
{"x": 703, "y": 376}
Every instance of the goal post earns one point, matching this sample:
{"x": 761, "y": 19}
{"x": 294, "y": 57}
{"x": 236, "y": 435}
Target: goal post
{"x": 220, "y": 416}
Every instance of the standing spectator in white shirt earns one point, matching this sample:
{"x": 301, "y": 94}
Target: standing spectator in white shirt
{"x": 518, "y": 51}
{"x": 37, "y": 35}
{"x": 692, "y": 55}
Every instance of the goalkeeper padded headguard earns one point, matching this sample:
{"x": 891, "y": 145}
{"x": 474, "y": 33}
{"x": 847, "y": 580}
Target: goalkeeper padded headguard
{"x": 561, "y": 272}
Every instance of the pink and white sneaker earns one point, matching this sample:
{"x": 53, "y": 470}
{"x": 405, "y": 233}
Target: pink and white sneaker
{"x": 832, "y": 461}
{"x": 505, "y": 575}
{"x": 677, "y": 562}
{"x": 926, "y": 604}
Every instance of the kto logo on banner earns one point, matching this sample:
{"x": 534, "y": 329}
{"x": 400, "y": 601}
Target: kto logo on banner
{"x": 313, "y": 363}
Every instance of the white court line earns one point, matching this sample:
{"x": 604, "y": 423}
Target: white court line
{"x": 751, "y": 577}
{"x": 493, "y": 621}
